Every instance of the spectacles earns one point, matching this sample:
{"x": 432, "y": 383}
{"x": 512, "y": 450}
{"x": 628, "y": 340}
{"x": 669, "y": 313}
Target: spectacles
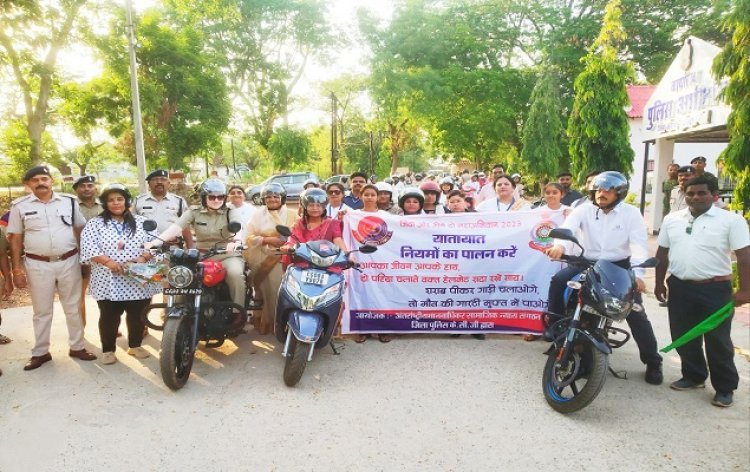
{"x": 689, "y": 228}
{"x": 334, "y": 192}
{"x": 216, "y": 197}
{"x": 359, "y": 181}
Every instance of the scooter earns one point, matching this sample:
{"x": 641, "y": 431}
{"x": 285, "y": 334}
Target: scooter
{"x": 309, "y": 301}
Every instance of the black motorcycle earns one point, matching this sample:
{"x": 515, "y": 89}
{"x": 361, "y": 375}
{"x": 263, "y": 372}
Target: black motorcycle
{"x": 198, "y": 308}
{"x": 583, "y": 337}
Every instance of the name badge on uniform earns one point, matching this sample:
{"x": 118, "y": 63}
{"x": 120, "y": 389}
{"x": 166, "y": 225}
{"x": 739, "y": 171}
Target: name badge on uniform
{"x": 29, "y": 213}
{"x": 201, "y": 224}
{"x": 148, "y": 208}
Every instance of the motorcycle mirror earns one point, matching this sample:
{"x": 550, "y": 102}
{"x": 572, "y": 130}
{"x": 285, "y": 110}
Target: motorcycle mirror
{"x": 563, "y": 233}
{"x": 649, "y": 263}
{"x": 367, "y": 249}
{"x": 234, "y": 226}
{"x": 283, "y": 230}
{"x": 149, "y": 225}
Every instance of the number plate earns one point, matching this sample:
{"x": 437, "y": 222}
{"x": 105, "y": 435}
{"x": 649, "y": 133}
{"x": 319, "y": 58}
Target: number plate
{"x": 182, "y": 291}
{"x": 315, "y": 278}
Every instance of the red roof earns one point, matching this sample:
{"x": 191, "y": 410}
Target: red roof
{"x": 638, "y": 95}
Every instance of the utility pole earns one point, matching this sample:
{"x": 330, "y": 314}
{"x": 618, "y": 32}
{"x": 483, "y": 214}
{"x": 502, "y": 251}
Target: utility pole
{"x": 372, "y": 155}
{"x": 140, "y": 153}
{"x": 334, "y": 137}
{"x": 234, "y": 162}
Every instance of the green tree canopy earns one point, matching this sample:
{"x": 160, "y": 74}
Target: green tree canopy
{"x": 544, "y": 151}
{"x": 289, "y": 147}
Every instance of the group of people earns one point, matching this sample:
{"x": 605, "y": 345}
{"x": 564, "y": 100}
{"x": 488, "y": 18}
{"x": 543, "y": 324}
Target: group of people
{"x": 44, "y": 226}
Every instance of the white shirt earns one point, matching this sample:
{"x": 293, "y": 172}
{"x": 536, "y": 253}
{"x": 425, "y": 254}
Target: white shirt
{"x": 494, "y": 206}
{"x": 243, "y": 215}
{"x": 487, "y": 192}
{"x": 677, "y": 200}
{"x": 705, "y": 252}
{"x": 612, "y": 236}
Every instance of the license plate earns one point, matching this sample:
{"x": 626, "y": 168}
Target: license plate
{"x": 315, "y": 278}
{"x": 182, "y": 291}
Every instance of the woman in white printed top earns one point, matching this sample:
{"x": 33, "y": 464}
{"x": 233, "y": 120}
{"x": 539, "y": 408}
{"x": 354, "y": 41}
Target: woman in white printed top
{"x": 504, "y": 198}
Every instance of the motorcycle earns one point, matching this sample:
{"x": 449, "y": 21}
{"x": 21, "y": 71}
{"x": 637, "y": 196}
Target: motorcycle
{"x": 309, "y": 301}
{"x": 584, "y": 336}
{"x": 198, "y": 308}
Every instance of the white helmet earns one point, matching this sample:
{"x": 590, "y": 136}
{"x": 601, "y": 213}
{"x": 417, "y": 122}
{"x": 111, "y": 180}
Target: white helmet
{"x": 384, "y": 187}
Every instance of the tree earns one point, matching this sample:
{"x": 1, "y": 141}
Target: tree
{"x": 289, "y": 147}
{"x": 15, "y": 143}
{"x": 31, "y": 37}
{"x": 734, "y": 62}
{"x": 184, "y": 100}
{"x": 598, "y": 126}
{"x": 543, "y": 133}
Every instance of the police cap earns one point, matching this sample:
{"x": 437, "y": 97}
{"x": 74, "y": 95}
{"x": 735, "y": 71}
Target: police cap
{"x": 34, "y": 171}
{"x": 157, "y": 173}
{"x": 84, "y": 179}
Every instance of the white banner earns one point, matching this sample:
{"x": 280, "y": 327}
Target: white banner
{"x": 452, "y": 273}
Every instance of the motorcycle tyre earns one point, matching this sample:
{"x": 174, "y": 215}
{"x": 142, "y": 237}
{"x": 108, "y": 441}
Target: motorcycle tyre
{"x": 296, "y": 361}
{"x": 176, "y": 341}
{"x": 587, "y": 394}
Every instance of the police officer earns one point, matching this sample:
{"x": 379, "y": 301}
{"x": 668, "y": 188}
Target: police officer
{"x": 162, "y": 206}
{"x": 611, "y": 230}
{"x": 48, "y": 226}
{"x": 85, "y": 189}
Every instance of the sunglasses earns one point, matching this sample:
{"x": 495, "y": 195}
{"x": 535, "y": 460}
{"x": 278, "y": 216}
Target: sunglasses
{"x": 216, "y": 197}
{"x": 334, "y": 192}
{"x": 689, "y": 227}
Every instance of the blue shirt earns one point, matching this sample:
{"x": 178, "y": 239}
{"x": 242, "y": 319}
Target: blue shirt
{"x": 353, "y": 202}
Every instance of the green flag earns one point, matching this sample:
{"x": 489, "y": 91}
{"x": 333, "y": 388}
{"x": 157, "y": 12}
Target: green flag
{"x": 703, "y": 327}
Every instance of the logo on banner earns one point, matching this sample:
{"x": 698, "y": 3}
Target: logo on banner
{"x": 540, "y": 238}
{"x": 372, "y": 231}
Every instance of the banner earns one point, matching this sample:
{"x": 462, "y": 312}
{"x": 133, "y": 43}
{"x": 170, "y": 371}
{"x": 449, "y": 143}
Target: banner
{"x": 454, "y": 273}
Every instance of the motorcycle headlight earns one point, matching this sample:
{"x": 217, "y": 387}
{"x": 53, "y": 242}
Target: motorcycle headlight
{"x": 292, "y": 287}
{"x": 180, "y": 277}
{"x": 616, "y": 307}
{"x": 331, "y": 293}
{"x": 322, "y": 261}
{"x": 308, "y": 303}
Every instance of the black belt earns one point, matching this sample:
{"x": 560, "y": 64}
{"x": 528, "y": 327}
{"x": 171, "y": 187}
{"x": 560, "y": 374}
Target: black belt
{"x": 67, "y": 255}
{"x": 712, "y": 280}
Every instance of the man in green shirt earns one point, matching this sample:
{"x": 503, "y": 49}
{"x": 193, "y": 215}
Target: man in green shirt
{"x": 668, "y": 185}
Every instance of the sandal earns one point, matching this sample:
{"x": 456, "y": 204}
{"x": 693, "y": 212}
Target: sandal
{"x": 530, "y": 337}
{"x": 385, "y": 338}
{"x": 4, "y": 339}
{"x": 360, "y": 338}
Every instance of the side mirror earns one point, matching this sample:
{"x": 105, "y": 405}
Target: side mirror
{"x": 149, "y": 225}
{"x": 283, "y": 230}
{"x": 649, "y": 263}
{"x": 234, "y": 226}
{"x": 563, "y": 233}
{"x": 367, "y": 249}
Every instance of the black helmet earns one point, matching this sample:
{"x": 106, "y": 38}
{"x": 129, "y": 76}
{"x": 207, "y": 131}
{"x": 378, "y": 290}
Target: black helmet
{"x": 118, "y": 188}
{"x": 273, "y": 188}
{"x": 610, "y": 180}
{"x": 411, "y": 192}
{"x": 418, "y": 177}
{"x": 373, "y": 179}
{"x": 213, "y": 187}
{"x": 313, "y": 195}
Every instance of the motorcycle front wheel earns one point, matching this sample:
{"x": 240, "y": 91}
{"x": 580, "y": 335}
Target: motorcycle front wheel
{"x": 296, "y": 361}
{"x": 573, "y": 385}
{"x": 177, "y": 355}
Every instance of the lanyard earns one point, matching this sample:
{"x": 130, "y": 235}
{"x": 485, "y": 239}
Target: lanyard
{"x": 507, "y": 209}
{"x": 120, "y": 230}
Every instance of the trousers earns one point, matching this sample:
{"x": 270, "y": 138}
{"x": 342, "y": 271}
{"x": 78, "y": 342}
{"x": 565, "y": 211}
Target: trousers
{"x": 109, "y": 320}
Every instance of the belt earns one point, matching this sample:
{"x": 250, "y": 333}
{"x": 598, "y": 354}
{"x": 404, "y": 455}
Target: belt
{"x": 67, "y": 255}
{"x": 718, "y": 278}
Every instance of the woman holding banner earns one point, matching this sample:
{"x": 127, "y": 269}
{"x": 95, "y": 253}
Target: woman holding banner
{"x": 505, "y": 198}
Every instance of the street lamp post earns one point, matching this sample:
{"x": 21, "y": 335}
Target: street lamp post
{"x": 140, "y": 158}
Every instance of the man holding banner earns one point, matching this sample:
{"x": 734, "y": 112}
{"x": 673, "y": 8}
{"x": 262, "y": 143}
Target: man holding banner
{"x": 695, "y": 245}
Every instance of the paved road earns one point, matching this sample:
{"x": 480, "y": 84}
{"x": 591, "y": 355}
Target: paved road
{"x": 419, "y": 403}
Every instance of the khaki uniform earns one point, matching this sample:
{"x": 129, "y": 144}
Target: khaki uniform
{"x": 88, "y": 213}
{"x": 47, "y": 230}
{"x": 165, "y": 211}
{"x": 210, "y": 227}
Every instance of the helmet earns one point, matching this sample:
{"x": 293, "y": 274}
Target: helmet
{"x": 395, "y": 178}
{"x": 273, "y": 188}
{"x": 418, "y": 177}
{"x": 610, "y": 180}
{"x": 384, "y": 187}
{"x": 447, "y": 181}
{"x": 118, "y": 188}
{"x": 411, "y": 192}
{"x": 312, "y": 182}
{"x": 213, "y": 187}
{"x": 388, "y": 180}
{"x": 213, "y": 272}
{"x": 313, "y": 195}
{"x": 430, "y": 186}
{"x": 515, "y": 175}
{"x": 373, "y": 178}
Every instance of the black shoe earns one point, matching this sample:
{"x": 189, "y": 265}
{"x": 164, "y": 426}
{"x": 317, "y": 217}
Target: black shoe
{"x": 686, "y": 384}
{"x": 654, "y": 375}
{"x": 722, "y": 400}
{"x": 455, "y": 335}
{"x": 481, "y": 337}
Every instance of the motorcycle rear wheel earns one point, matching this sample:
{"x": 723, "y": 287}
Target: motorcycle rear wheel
{"x": 564, "y": 389}
{"x": 296, "y": 361}
{"x": 177, "y": 354}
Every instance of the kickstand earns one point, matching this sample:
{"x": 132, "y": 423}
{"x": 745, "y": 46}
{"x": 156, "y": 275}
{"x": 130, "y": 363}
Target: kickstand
{"x": 622, "y": 374}
{"x": 336, "y": 352}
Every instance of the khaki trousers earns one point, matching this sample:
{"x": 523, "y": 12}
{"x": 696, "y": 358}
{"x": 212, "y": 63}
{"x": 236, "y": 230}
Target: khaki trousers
{"x": 44, "y": 278}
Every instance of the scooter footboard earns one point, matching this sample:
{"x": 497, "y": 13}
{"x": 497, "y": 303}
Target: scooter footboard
{"x": 306, "y": 327}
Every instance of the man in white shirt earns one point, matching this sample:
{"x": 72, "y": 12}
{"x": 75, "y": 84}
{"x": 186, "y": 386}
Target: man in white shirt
{"x": 611, "y": 230}
{"x": 695, "y": 246}
{"x": 488, "y": 190}
{"x": 677, "y": 197}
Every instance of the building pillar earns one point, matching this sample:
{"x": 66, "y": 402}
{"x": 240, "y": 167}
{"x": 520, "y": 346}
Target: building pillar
{"x": 663, "y": 156}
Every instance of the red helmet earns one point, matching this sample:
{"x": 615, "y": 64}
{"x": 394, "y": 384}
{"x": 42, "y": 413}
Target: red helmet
{"x": 213, "y": 273}
{"x": 430, "y": 186}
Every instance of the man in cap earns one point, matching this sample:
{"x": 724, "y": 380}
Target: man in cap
{"x": 48, "y": 226}
{"x": 162, "y": 206}
{"x": 677, "y": 198}
{"x": 699, "y": 164}
{"x": 85, "y": 188}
